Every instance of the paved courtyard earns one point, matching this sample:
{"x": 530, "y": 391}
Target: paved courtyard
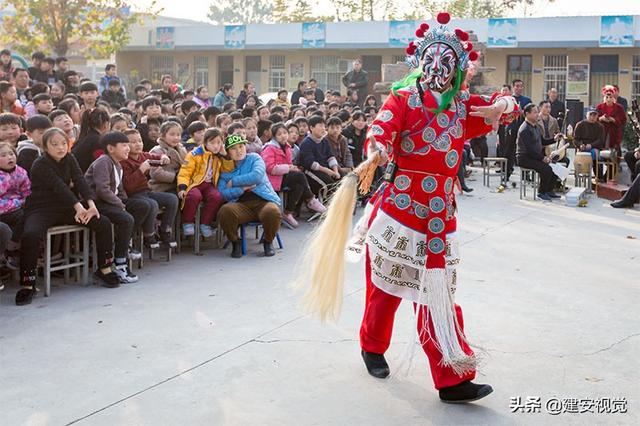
{"x": 550, "y": 292}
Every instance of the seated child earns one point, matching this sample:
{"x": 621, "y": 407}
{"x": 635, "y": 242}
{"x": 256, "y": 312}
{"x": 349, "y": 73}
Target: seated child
{"x": 30, "y": 149}
{"x": 10, "y": 128}
{"x": 316, "y": 157}
{"x": 198, "y": 182}
{"x": 60, "y": 196}
{"x": 254, "y": 144}
{"x": 339, "y": 145}
{"x": 249, "y": 195}
{"x": 43, "y": 104}
{"x": 104, "y": 176}
{"x": 152, "y": 110}
{"x": 63, "y": 121}
{"x": 196, "y": 135}
{"x": 164, "y": 178}
{"x": 95, "y": 123}
{"x": 14, "y": 189}
{"x": 283, "y": 174}
{"x": 118, "y": 122}
{"x": 136, "y": 184}
{"x": 222, "y": 122}
{"x": 293, "y": 130}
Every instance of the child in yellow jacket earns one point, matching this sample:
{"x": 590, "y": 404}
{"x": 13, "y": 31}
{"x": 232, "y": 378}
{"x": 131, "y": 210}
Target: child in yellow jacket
{"x": 198, "y": 182}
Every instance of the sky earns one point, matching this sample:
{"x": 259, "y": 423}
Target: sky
{"x": 197, "y": 9}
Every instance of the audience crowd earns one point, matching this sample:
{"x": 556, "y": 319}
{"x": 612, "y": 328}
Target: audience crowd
{"x": 147, "y": 161}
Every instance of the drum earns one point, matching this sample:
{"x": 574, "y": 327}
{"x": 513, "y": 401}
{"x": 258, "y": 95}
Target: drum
{"x": 583, "y": 162}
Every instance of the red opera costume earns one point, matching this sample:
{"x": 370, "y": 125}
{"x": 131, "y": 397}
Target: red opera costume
{"x": 613, "y": 130}
{"x": 407, "y": 231}
{"x": 409, "y": 225}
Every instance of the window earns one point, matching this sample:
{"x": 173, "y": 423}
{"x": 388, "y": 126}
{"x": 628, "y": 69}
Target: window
{"x": 519, "y": 68}
{"x": 201, "y": 71}
{"x": 276, "y": 73}
{"x": 225, "y": 70}
{"x": 635, "y": 77}
{"x": 604, "y": 70}
{"x": 555, "y": 75}
{"x": 328, "y": 71}
{"x": 160, "y": 65}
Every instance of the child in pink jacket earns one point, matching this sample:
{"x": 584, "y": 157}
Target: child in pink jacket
{"x": 14, "y": 189}
{"x": 283, "y": 175}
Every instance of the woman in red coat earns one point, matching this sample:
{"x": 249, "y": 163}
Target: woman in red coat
{"x": 613, "y": 117}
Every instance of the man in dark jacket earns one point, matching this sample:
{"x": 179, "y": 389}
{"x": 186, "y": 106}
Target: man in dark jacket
{"x": 529, "y": 152}
{"x": 357, "y": 79}
{"x": 509, "y": 150}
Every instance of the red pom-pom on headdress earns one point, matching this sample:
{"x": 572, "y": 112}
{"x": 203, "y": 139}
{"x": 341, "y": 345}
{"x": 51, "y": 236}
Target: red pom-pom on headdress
{"x": 468, "y": 47}
{"x": 424, "y": 27}
{"x": 411, "y": 49}
{"x": 462, "y": 35}
{"x": 473, "y": 56}
{"x": 608, "y": 89}
{"x": 443, "y": 18}
{"x": 419, "y": 33}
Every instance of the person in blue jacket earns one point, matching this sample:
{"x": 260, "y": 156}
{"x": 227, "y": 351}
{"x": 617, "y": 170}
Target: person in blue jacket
{"x": 249, "y": 195}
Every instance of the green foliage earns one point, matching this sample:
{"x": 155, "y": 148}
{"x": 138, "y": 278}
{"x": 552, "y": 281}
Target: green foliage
{"x": 95, "y": 28}
{"x": 240, "y": 11}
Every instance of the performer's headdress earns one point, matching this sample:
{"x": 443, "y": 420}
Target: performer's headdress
{"x": 457, "y": 39}
{"x": 609, "y": 89}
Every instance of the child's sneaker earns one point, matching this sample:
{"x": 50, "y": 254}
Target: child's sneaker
{"x": 152, "y": 242}
{"x": 206, "y": 231}
{"x": 168, "y": 240}
{"x": 188, "y": 229}
{"x": 125, "y": 274}
{"x": 315, "y": 205}
{"x": 110, "y": 280}
{"x": 290, "y": 220}
{"x": 134, "y": 254}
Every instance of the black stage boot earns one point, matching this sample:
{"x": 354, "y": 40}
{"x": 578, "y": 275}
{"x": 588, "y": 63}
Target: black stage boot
{"x": 376, "y": 364}
{"x": 464, "y": 392}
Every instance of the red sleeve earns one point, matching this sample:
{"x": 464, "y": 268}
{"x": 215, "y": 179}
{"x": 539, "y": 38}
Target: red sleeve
{"x": 620, "y": 115}
{"x": 132, "y": 177}
{"x": 387, "y": 125}
{"x": 97, "y": 153}
{"x": 478, "y": 126}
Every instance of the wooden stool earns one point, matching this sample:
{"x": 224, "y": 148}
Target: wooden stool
{"x": 77, "y": 259}
{"x": 528, "y": 177}
{"x": 488, "y": 164}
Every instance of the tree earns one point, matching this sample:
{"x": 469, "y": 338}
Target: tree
{"x": 96, "y": 28}
{"x": 280, "y": 9}
{"x": 302, "y": 13}
{"x": 240, "y": 11}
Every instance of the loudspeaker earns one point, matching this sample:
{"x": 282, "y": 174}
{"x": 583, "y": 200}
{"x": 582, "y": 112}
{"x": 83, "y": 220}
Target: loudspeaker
{"x": 576, "y": 111}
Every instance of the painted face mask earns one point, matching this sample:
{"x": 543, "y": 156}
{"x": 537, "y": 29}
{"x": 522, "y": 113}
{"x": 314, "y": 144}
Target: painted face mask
{"x": 439, "y": 66}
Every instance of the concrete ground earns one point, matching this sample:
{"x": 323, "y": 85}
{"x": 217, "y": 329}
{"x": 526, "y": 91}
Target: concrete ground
{"x": 550, "y": 292}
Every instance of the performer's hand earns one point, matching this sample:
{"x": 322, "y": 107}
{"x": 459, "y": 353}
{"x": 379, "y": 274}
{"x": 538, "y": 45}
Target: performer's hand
{"x": 491, "y": 113}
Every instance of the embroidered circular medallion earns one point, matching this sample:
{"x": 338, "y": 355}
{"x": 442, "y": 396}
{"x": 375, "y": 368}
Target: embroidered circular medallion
{"x": 443, "y": 143}
{"x": 428, "y": 135}
{"x": 436, "y": 225}
{"x": 407, "y": 145}
{"x": 462, "y": 111}
{"x": 385, "y": 116}
{"x": 421, "y": 211}
{"x": 376, "y": 130}
{"x": 402, "y": 182}
{"x": 456, "y": 129}
{"x": 436, "y": 245}
{"x": 442, "y": 119}
{"x": 448, "y": 185}
{"x": 436, "y": 204}
{"x": 429, "y": 184}
{"x": 402, "y": 201}
{"x": 451, "y": 158}
{"x": 414, "y": 101}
